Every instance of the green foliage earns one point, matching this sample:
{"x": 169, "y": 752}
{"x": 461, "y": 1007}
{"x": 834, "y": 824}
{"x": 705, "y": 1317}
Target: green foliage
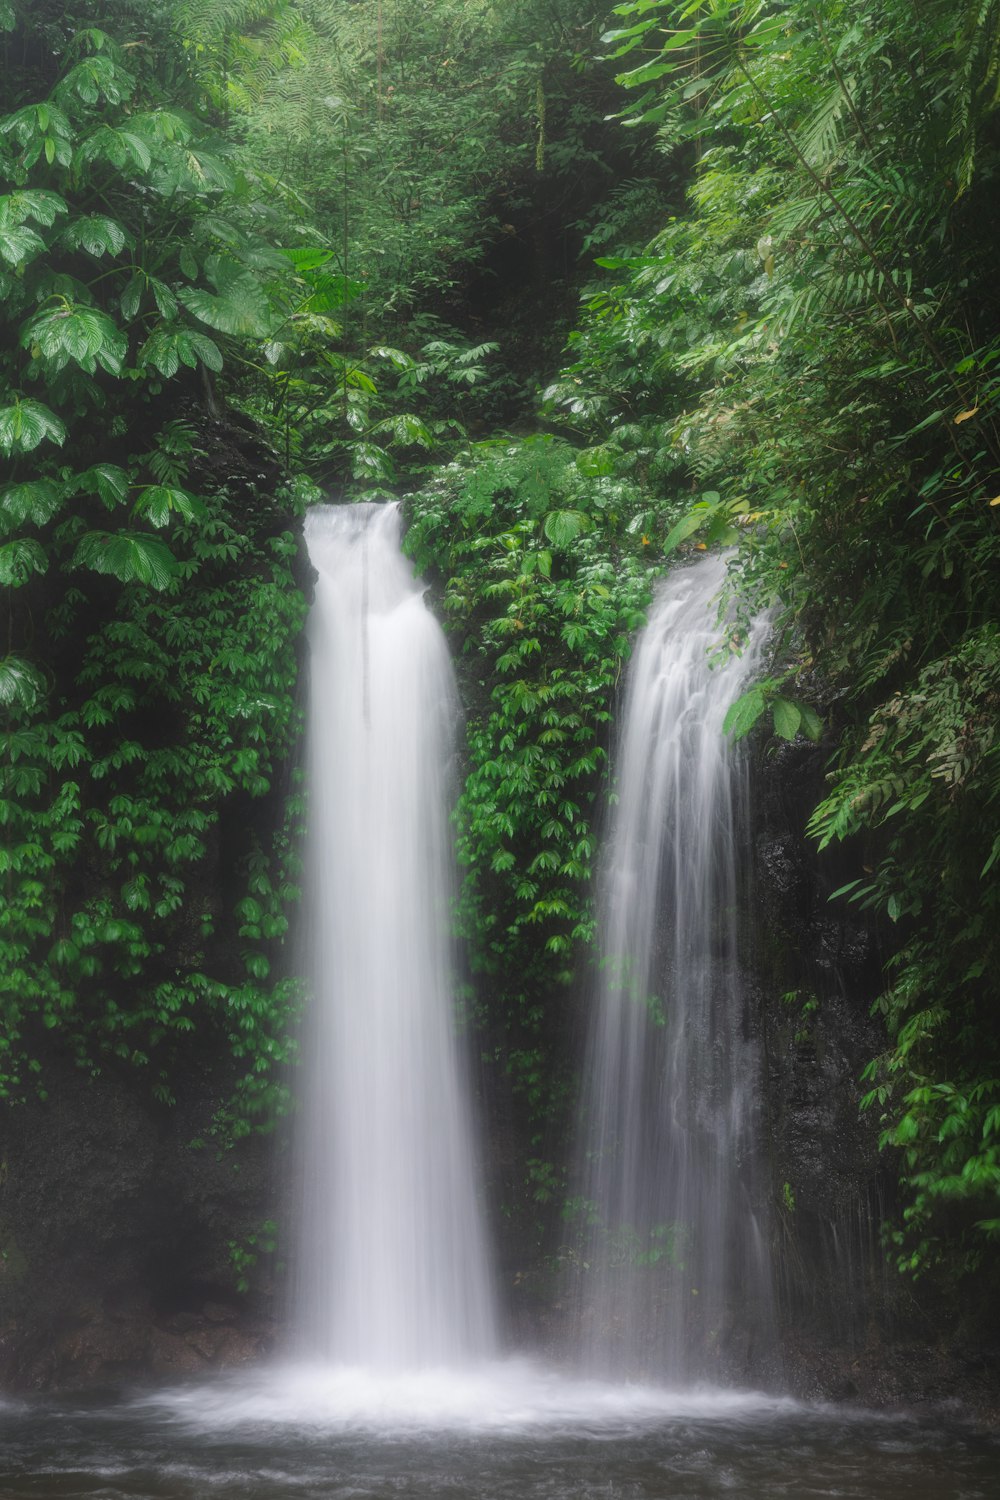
{"x": 545, "y": 581}
{"x": 809, "y": 351}
{"x": 181, "y": 708}
{"x": 148, "y": 676}
{"x": 431, "y": 145}
{"x": 244, "y": 1256}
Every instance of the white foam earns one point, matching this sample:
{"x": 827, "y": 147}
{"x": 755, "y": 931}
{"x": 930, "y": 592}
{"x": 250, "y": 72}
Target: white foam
{"x": 513, "y": 1396}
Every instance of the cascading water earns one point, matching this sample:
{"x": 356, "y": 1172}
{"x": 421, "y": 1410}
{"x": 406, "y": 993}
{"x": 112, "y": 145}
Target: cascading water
{"x": 394, "y": 1308}
{"x": 392, "y": 1270}
{"x": 673, "y": 1247}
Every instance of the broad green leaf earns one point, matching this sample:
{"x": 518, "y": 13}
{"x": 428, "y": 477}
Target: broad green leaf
{"x": 787, "y": 717}
{"x": 21, "y": 684}
{"x": 120, "y": 147}
{"x": 405, "y": 429}
{"x": 744, "y": 713}
{"x": 687, "y": 526}
{"x": 564, "y": 526}
{"x": 97, "y": 234}
{"x": 157, "y": 502}
{"x": 812, "y": 724}
{"x": 32, "y": 203}
{"x": 328, "y": 293}
{"x": 241, "y": 307}
{"x": 596, "y": 463}
{"x": 164, "y": 298}
{"x": 308, "y": 257}
{"x": 205, "y": 348}
{"x": 34, "y": 123}
{"x": 35, "y": 501}
{"x": 129, "y": 556}
{"x": 106, "y": 480}
{"x": 96, "y": 78}
{"x": 131, "y": 298}
{"x": 19, "y": 559}
{"x": 160, "y": 351}
{"x": 371, "y": 462}
{"x": 167, "y": 349}
{"x": 161, "y": 125}
{"x": 19, "y": 243}
{"x": 82, "y": 334}
{"x": 26, "y": 424}
{"x": 397, "y": 357}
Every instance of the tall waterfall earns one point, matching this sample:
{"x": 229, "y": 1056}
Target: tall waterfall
{"x": 676, "y": 1274}
{"x": 392, "y": 1270}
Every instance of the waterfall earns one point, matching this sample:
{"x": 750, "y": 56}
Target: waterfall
{"x": 391, "y": 1267}
{"x": 674, "y": 1272}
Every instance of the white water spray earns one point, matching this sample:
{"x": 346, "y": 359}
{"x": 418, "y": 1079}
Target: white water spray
{"x": 674, "y": 1258}
{"x": 394, "y": 1313}
{"x": 392, "y": 1270}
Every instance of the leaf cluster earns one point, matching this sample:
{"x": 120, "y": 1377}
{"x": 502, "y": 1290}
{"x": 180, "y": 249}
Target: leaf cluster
{"x": 809, "y": 352}
{"x": 148, "y": 671}
{"x": 545, "y": 579}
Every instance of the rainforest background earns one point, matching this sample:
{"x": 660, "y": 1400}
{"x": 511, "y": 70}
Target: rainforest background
{"x": 592, "y": 288}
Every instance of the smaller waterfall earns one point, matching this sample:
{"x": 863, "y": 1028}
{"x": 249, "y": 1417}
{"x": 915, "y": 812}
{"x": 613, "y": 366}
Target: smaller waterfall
{"x": 673, "y": 1258}
{"x": 391, "y": 1267}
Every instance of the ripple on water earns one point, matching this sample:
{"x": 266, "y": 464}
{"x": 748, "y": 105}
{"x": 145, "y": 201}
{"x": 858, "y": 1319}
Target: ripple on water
{"x": 510, "y": 1431}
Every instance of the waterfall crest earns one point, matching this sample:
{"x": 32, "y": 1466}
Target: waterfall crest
{"x": 673, "y": 1245}
{"x": 391, "y": 1269}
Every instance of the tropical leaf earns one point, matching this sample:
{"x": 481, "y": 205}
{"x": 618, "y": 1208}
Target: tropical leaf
{"x": 129, "y": 556}
{"x": 157, "y": 502}
{"x": 164, "y": 298}
{"x": 122, "y": 148}
{"x": 241, "y": 307}
{"x": 744, "y": 713}
{"x": 18, "y": 243}
{"x": 32, "y": 203}
{"x": 370, "y": 462}
{"x": 26, "y": 424}
{"x": 167, "y": 349}
{"x": 695, "y": 519}
{"x": 162, "y": 125}
{"x": 564, "y": 526}
{"x": 35, "y": 500}
{"x": 106, "y": 480}
{"x": 131, "y": 298}
{"x": 812, "y": 724}
{"x": 82, "y": 334}
{"x": 405, "y": 429}
{"x": 95, "y": 233}
{"x": 21, "y": 684}
{"x": 33, "y": 125}
{"x": 95, "y": 78}
{"x": 787, "y": 717}
{"x": 19, "y": 559}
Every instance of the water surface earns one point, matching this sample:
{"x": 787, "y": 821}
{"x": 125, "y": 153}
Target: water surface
{"x": 513, "y": 1432}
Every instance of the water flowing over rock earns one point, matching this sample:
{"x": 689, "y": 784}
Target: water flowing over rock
{"x": 392, "y": 1269}
{"x": 674, "y": 1274}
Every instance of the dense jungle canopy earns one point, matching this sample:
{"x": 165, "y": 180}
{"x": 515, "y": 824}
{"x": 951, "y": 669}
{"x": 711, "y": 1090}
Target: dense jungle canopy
{"x": 592, "y": 288}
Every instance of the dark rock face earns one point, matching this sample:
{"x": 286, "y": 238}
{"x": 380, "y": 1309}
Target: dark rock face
{"x": 115, "y": 1238}
{"x": 851, "y": 1327}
